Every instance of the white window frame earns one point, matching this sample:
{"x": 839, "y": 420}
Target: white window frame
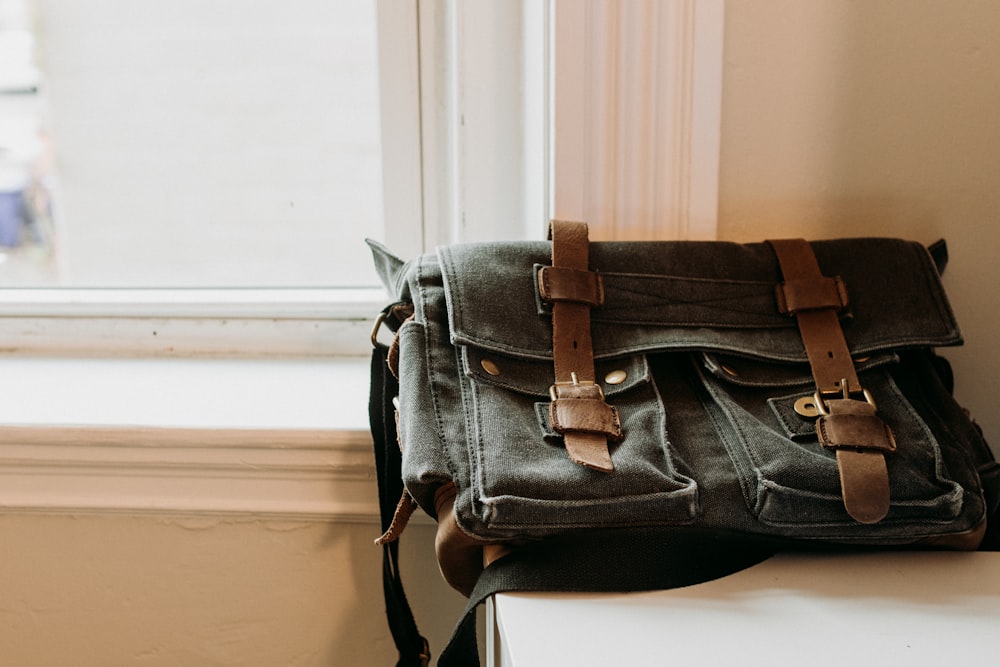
{"x": 243, "y": 322}
{"x": 115, "y": 347}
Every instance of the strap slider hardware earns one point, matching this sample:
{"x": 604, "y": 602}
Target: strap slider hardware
{"x": 587, "y": 388}
{"x": 846, "y": 392}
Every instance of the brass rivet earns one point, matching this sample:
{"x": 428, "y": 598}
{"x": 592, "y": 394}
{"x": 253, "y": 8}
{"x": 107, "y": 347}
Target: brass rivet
{"x": 806, "y": 407}
{"x": 616, "y": 377}
{"x": 490, "y": 367}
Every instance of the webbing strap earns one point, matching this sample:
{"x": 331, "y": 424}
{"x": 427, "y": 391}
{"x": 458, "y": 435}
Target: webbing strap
{"x": 411, "y": 646}
{"x": 815, "y": 301}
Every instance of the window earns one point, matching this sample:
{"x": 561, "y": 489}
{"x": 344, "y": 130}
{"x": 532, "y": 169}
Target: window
{"x": 492, "y": 117}
{"x": 199, "y": 144}
{"x": 193, "y": 163}
{"x": 211, "y": 165}
{"x": 260, "y": 220}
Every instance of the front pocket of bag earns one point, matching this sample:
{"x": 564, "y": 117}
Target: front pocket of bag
{"x": 525, "y": 482}
{"x": 791, "y": 481}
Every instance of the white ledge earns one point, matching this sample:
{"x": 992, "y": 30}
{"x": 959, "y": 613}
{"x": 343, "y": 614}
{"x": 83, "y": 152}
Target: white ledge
{"x": 263, "y": 438}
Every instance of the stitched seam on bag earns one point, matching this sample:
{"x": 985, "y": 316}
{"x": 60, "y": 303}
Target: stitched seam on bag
{"x": 428, "y": 355}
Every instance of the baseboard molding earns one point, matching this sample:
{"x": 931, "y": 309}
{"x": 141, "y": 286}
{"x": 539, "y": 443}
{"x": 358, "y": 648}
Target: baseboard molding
{"x": 315, "y": 475}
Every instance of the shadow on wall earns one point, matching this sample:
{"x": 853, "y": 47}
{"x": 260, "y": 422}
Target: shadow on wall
{"x": 435, "y": 605}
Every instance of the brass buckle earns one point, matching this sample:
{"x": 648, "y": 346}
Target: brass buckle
{"x": 574, "y": 382}
{"x": 378, "y": 326}
{"x": 845, "y": 392}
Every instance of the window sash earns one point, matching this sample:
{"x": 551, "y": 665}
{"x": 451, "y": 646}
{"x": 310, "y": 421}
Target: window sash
{"x": 440, "y": 117}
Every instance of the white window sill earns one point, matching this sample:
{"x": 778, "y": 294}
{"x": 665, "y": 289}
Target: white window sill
{"x": 281, "y": 438}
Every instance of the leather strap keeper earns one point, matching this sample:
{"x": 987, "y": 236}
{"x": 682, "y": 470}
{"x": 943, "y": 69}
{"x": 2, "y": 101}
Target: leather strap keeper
{"x": 798, "y": 295}
{"x": 853, "y": 424}
{"x": 585, "y": 415}
{"x": 562, "y": 284}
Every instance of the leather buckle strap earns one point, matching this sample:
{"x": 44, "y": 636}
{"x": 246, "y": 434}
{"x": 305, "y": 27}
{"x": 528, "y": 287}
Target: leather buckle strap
{"x": 578, "y": 410}
{"x": 848, "y": 424}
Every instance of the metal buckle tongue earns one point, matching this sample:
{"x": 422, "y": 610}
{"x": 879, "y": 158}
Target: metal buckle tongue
{"x": 575, "y": 382}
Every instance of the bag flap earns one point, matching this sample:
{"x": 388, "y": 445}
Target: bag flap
{"x": 391, "y": 269}
{"x": 694, "y": 295}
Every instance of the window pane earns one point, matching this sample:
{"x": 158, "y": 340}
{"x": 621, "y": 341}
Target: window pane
{"x": 199, "y": 143}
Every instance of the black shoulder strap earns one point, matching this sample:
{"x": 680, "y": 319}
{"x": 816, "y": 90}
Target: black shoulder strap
{"x": 412, "y": 647}
{"x": 656, "y": 559}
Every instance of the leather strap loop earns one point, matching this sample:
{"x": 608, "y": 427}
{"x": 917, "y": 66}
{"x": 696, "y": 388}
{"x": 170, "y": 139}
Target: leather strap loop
{"x": 584, "y": 414}
{"x": 850, "y": 425}
{"x": 561, "y": 284}
{"x": 853, "y": 424}
{"x": 798, "y": 295}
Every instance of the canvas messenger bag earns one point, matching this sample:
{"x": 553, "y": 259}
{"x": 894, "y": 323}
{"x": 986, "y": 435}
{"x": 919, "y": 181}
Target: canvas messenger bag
{"x": 638, "y": 415}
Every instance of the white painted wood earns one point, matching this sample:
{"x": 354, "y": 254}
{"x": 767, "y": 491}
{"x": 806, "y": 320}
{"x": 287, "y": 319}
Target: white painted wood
{"x": 913, "y": 608}
{"x": 189, "y": 323}
{"x": 636, "y": 121}
{"x": 484, "y": 96}
{"x": 265, "y": 437}
{"x": 399, "y": 92}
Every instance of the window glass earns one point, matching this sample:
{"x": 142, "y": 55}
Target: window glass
{"x": 185, "y": 143}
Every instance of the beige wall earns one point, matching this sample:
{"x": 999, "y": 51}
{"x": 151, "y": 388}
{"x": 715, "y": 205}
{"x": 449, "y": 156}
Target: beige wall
{"x": 866, "y": 118}
{"x": 104, "y": 591}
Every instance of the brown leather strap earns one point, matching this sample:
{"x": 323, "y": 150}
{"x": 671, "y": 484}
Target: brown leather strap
{"x": 578, "y": 411}
{"x": 815, "y": 300}
{"x": 848, "y": 423}
{"x": 572, "y": 346}
{"x": 400, "y": 518}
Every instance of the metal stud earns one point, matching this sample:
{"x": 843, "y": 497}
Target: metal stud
{"x": 490, "y": 367}
{"x": 616, "y": 377}
{"x": 806, "y": 407}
